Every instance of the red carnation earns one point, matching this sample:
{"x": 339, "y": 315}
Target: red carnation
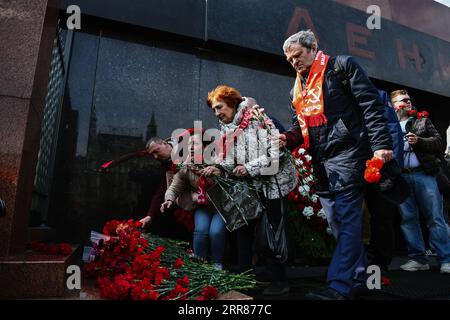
{"x": 423, "y": 114}
{"x": 38, "y": 246}
{"x": 64, "y": 248}
{"x": 385, "y": 281}
{"x": 412, "y": 113}
{"x": 372, "y": 175}
{"x": 150, "y": 295}
{"x": 178, "y": 263}
{"x": 183, "y": 281}
{"x": 210, "y": 293}
{"x": 375, "y": 163}
{"x": 178, "y": 293}
{"x": 110, "y": 228}
{"x": 372, "y": 172}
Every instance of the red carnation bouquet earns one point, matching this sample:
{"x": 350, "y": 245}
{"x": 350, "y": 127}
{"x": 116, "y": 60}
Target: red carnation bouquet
{"x": 372, "y": 173}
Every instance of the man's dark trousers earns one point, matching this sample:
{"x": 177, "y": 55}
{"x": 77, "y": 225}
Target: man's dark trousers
{"x": 348, "y": 265}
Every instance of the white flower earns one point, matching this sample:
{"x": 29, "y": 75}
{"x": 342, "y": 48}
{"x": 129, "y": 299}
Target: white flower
{"x": 308, "y": 212}
{"x": 321, "y": 214}
{"x": 304, "y": 190}
{"x": 299, "y": 162}
{"x": 329, "y": 231}
{"x": 315, "y": 198}
{"x": 308, "y": 157}
{"x": 301, "y": 151}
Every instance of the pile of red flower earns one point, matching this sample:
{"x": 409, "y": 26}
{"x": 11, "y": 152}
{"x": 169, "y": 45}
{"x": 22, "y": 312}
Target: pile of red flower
{"x": 56, "y": 249}
{"x": 126, "y": 268}
{"x": 304, "y": 195}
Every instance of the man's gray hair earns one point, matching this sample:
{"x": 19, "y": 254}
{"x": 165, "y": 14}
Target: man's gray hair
{"x": 305, "y": 38}
{"x": 156, "y": 140}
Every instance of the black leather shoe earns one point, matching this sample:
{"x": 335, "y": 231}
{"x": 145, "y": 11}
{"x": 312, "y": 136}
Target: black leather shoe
{"x": 361, "y": 291}
{"x": 328, "y": 294}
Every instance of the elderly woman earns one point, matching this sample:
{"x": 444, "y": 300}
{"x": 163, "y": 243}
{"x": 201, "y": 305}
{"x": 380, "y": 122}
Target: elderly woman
{"x": 209, "y": 227}
{"x": 269, "y": 169}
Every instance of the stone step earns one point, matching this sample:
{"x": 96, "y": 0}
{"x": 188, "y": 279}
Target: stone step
{"x": 31, "y": 275}
{"x": 234, "y": 295}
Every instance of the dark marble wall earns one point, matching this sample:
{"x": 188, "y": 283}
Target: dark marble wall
{"x": 434, "y": 17}
{"x": 186, "y": 17}
{"x": 125, "y": 89}
{"x": 412, "y": 47}
{"x": 394, "y": 53}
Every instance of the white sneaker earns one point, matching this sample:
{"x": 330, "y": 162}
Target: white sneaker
{"x": 445, "y": 267}
{"x": 413, "y": 265}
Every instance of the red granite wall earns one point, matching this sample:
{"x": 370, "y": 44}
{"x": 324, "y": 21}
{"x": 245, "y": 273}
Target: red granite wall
{"x": 27, "y": 30}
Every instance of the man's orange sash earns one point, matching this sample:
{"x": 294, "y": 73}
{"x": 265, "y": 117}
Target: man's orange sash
{"x": 308, "y": 102}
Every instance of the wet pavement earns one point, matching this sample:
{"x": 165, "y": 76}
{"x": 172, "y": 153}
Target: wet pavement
{"x": 400, "y": 285}
{"x": 302, "y": 279}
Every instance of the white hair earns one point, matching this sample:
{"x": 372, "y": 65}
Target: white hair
{"x": 156, "y": 140}
{"x": 305, "y": 38}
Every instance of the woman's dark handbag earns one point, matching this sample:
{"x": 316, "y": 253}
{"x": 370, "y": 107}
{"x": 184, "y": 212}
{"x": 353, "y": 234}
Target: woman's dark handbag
{"x": 271, "y": 243}
{"x": 237, "y": 203}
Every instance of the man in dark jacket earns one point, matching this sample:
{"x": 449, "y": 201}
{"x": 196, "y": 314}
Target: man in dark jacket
{"x": 382, "y": 212}
{"x": 338, "y": 116}
{"x": 160, "y": 150}
{"x": 420, "y": 166}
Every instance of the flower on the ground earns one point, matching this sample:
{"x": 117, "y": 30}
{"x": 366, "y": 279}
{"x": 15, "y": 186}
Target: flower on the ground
{"x": 127, "y": 267}
{"x": 210, "y": 293}
{"x": 56, "y": 249}
{"x": 183, "y": 281}
{"x": 178, "y": 263}
{"x": 385, "y": 281}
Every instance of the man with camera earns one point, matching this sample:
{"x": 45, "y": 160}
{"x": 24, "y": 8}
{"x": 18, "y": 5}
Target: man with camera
{"x": 421, "y": 165}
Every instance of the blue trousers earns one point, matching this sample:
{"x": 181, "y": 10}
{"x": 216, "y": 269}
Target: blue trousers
{"x": 424, "y": 195}
{"x": 209, "y": 235}
{"x": 348, "y": 265}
